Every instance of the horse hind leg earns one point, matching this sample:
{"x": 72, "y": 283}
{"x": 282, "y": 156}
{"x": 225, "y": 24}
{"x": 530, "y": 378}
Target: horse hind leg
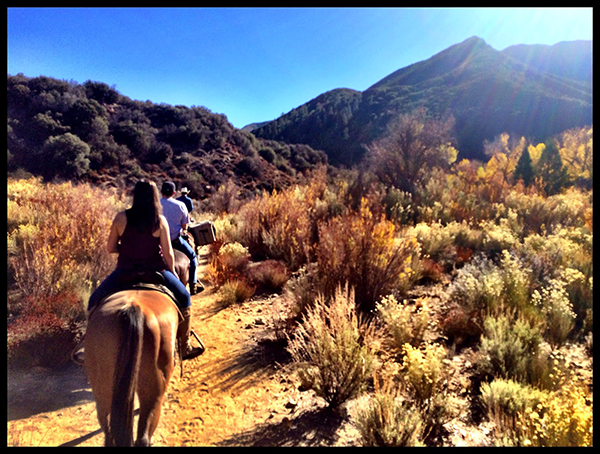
{"x": 100, "y": 374}
{"x": 155, "y": 375}
{"x": 102, "y": 397}
{"x": 150, "y": 407}
{"x": 102, "y": 412}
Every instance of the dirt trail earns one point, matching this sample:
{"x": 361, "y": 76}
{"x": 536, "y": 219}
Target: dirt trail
{"x": 236, "y": 394}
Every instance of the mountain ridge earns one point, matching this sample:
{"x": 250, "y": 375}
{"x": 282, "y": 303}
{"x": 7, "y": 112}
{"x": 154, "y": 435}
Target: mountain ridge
{"x": 487, "y": 91}
{"x": 548, "y": 58}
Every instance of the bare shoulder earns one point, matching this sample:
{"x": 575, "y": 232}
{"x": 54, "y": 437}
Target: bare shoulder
{"x": 164, "y": 225}
{"x": 120, "y": 222}
{"x": 120, "y": 219}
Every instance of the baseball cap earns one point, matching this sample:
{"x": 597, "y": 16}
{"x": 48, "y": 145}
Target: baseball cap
{"x": 168, "y": 188}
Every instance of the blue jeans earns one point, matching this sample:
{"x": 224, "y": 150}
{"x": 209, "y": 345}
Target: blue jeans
{"x": 182, "y": 245}
{"x": 111, "y": 284}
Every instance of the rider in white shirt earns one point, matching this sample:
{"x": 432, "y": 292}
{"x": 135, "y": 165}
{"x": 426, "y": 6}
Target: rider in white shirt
{"x": 178, "y": 218}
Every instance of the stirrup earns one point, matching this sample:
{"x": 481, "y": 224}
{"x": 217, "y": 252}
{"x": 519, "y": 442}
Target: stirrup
{"x": 193, "y": 352}
{"x": 196, "y": 288}
{"x": 78, "y": 353}
{"x": 78, "y": 357}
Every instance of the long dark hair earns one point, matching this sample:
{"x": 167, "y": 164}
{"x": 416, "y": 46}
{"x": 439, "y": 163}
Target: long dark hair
{"x": 146, "y": 209}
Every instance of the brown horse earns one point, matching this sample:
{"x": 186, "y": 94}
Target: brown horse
{"x": 182, "y": 266}
{"x": 130, "y": 348}
{"x": 182, "y": 263}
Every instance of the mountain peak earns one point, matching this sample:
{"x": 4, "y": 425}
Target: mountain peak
{"x": 472, "y": 40}
{"x": 436, "y": 66}
{"x": 474, "y": 44}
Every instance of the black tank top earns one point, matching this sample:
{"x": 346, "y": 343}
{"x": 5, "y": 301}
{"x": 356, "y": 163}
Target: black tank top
{"x": 140, "y": 251}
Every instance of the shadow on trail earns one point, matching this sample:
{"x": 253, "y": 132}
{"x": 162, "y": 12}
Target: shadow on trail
{"x": 312, "y": 428}
{"x": 242, "y": 369}
{"x": 39, "y": 390}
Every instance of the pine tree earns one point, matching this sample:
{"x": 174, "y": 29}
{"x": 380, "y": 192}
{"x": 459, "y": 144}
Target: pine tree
{"x": 551, "y": 170}
{"x": 524, "y": 169}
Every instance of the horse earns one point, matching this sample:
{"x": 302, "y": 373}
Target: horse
{"x": 182, "y": 262}
{"x": 130, "y": 349}
{"x": 182, "y": 266}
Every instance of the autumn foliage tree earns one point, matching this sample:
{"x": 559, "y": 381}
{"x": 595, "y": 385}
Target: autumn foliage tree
{"x": 413, "y": 146}
{"x": 577, "y": 151}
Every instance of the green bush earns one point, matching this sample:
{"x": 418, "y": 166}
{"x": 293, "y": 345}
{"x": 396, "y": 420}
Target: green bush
{"x": 554, "y": 303}
{"x": 478, "y": 285}
{"x": 508, "y": 348}
{"x": 504, "y": 402}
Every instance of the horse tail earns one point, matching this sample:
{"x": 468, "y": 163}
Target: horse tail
{"x": 131, "y": 320}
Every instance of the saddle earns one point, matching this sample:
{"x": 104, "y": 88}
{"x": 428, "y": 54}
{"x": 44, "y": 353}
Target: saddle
{"x": 144, "y": 280}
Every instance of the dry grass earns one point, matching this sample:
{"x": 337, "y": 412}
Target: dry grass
{"x": 333, "y": 348}
{"x": 56, "y": 254}
{"x": 364, "y": 250}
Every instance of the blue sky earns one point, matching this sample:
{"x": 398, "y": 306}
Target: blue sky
{"x": 253, "y": 64}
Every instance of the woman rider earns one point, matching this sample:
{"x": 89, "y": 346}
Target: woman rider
{"x": 140, "y": 235}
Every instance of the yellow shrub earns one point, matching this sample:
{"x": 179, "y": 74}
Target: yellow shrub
{"x": 229, "y": 263}
{"x": 56, "y": 237}
{"x": 564, "y": 418}
{"x": 278, "y": 226}
{"x": 226, "y": 226}
{"x": 404, "y": 324}
{"x": 424, "y": 370}
{"x": 235, "y": 291}
{"x": 426, "y": 377}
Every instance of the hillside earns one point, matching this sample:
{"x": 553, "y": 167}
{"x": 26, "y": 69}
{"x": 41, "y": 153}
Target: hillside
{"x": 521, "y": 90}
{"x": 90, "y": 132}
